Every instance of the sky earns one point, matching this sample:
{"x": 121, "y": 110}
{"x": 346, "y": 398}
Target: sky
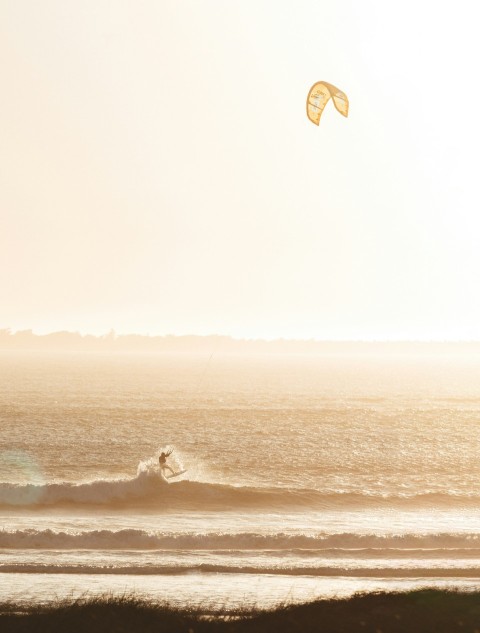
{"x": 158, "y": 173}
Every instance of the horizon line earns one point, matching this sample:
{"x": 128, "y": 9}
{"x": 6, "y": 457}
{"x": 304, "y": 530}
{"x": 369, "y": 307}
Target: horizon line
{"x": 113, "y": 335}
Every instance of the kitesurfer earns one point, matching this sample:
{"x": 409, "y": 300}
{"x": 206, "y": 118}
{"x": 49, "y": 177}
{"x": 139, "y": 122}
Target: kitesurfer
{"x": 162, "y": 460}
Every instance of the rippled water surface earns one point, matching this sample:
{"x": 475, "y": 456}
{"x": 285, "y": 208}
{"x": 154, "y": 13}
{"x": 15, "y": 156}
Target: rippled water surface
{"x": 299, "y": 468}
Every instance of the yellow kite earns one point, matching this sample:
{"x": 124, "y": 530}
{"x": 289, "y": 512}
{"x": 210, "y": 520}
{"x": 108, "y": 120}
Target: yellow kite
{"x": 318, "y": 97}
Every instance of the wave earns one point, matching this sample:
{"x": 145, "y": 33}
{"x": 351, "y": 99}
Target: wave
{"x": 149, "y": 489}
{"x": 324, "y": 543}
{"x": 347, "y": 571}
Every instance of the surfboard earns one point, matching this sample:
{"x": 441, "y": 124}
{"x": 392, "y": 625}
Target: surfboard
{"x": 180, "y": 472}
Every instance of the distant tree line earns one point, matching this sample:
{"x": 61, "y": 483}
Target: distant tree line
{"x": 74, "y": 341}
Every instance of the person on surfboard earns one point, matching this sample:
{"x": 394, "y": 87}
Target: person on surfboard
{"x": 162, "y": 460}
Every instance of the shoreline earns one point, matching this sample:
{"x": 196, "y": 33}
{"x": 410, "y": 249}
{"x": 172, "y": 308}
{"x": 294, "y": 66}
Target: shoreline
{"x": 426, "y": 610}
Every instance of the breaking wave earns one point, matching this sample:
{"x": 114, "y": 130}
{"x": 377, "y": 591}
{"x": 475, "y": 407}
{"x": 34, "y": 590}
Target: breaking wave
{"x": 137, "y": 539}
{"x": 417, "y": 571}
{"x": 148, "y": 489}
{"x": 151, "y": 491}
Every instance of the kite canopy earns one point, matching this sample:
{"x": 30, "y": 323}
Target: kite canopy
{"x": 318, "y": 97}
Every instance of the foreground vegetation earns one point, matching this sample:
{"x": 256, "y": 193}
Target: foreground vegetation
{"x": 426, "y": 611}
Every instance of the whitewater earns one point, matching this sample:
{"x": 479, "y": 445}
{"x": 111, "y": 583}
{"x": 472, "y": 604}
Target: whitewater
{"x": 306, "y": 476}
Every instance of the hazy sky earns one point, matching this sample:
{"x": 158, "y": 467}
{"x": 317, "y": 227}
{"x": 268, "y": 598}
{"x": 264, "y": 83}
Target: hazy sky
{"x": 158, "y": 173}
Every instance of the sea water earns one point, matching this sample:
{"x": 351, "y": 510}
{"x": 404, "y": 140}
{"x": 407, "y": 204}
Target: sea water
{"x": 307, "y": 476}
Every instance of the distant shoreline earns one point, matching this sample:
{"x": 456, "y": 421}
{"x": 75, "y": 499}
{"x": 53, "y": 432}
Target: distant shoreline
{"x": 26, "y": 340}
{"x": 428, "y": 611}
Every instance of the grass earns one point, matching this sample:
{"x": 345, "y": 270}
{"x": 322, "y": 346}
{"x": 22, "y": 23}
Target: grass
{"x": 422, "y": 611}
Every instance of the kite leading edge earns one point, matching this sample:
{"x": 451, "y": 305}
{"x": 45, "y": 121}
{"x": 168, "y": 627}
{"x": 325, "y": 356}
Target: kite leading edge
{"x": 318, "y": 97}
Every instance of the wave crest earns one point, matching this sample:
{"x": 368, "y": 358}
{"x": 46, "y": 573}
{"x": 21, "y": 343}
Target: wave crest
{"x": 148, "y": 489}
{"x": 137, "y": 539}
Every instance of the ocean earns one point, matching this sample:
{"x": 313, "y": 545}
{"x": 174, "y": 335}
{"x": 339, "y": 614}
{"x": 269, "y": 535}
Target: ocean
{"x": 306, "y": 476}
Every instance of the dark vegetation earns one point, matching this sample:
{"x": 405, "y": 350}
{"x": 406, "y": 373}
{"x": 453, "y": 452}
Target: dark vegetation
{"x": 417, "y": 611}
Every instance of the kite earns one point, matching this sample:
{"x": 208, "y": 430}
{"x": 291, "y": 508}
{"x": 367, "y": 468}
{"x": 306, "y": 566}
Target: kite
{"x": 318, "y": 97}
